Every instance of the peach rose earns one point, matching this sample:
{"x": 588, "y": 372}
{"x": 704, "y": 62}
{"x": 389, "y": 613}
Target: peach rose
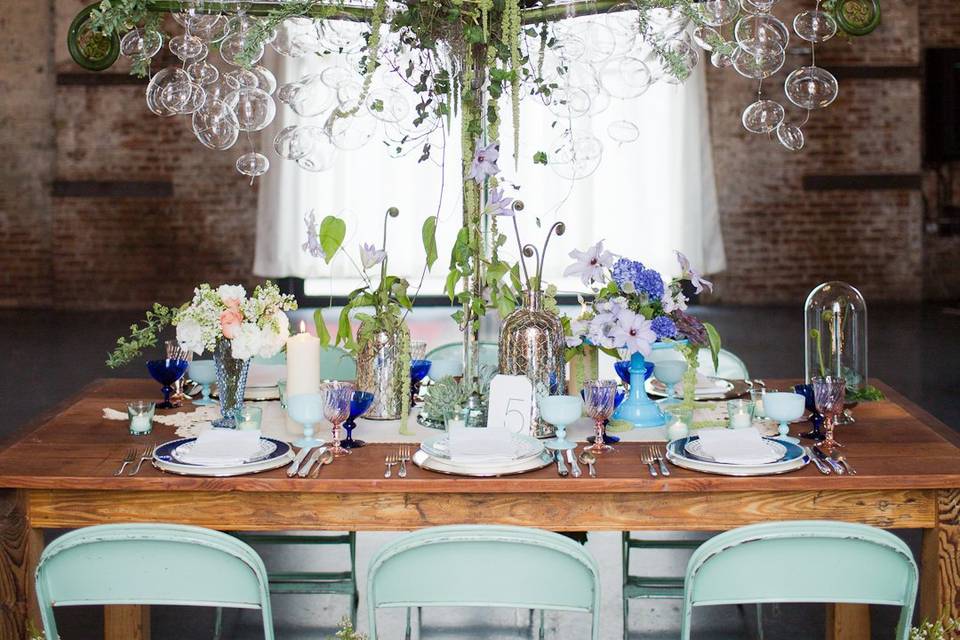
{"x": 233, "y": 304}
{"x": 230, "y": 323}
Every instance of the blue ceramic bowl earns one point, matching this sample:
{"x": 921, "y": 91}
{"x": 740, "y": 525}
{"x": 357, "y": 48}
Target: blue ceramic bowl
{"x": 622, "y": 367}
{"x": 419, "y": 370}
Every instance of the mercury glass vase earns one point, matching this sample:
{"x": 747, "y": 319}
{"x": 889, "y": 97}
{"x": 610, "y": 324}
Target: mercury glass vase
{"x": 532, "y": 344}
{"x": 377, "y": 372}
{"x": 231, "y": 383}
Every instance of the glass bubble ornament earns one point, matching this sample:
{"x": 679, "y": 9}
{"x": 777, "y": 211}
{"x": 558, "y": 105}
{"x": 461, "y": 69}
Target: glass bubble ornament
{"x": 811, "y": 87}
{"x": 814, "y": 26}
{"x": 577, "y": 156}
{"x": 705, "y": 37}
{"x": 265, "y": 78}
{"x": 176, "y": 95}
{"x": 140, "y": 43}
{"x": 757, "y": 6}
{"x": 627, "y": 77}
{"x": 188, "y": 47}
{"x": 212, "y": 29}
{"x": 322, "y": 152}
{"x": 311, "y": 97}
{"x": 296, "y": 37}
{"x": 623, "y": 131}
{"x": 569, "y": 102}
{"x": 759, "y": 61}
{"x": 790, "y": 136}
{"x": 683, "y": 59}
{"x": 722, "y": 58}
{"x": 387, "y": 105}
{"x": 716, "y": 13}
{"x": 253, "y": 164}
{"x": 292, "y": 143}
{"x": 215, "y": 125}
{"x": 159, "y": 83}
{"x": 203, "y": 73}
{"x": 352, "y": 133}
{"x": 222, "y": 87}
{"x": 755, "y": 33}
{"x": 762, "y": 116}
{"x": 254, "y": 107}
{"x": 233, "y": 47}
{"x": 243, "y": 78}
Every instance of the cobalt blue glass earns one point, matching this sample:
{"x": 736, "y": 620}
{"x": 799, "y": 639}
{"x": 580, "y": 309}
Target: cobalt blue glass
{"x": 359, "y": 404}
{"x": 622, "y": 367}
{"x": 607, "y": 438}
{"x": 816, "y": 419}
{"x": 418, "y": 371}
{"x": 166, "y": 372}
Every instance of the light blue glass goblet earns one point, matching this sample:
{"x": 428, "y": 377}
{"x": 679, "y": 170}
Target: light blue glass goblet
{"x": 306, "y": 409}
{"x": 670, "y": 372}
{"x": 204, "y": 373}
{"x": 784, "y": 407}
{"x": 560, "y": 411}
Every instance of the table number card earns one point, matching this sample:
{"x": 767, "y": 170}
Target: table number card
{"x": 510, "y": 405}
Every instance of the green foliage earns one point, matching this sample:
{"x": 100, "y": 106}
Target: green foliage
{"x": 141, "y": 337}
{"x": 445, "y": 396}
{"x": 346, "y": 631}
{"x": 946, "y": 628}
{"x": 714, "y": 337}
{"x": 429, "y": 233}
{"x": 866, "y": 393}
{"x": 116, "y": 17}
{"x": 332, "y": 232}
{"x": 540, "y": 157}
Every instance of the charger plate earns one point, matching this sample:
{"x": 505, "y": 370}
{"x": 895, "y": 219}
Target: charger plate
{"x": 794, "y": 459}
{"x": 524, "y": 446}
{"x": 439, "y": 465}
{"x": 163, "y": 459}
{"x": 733, "y": 389}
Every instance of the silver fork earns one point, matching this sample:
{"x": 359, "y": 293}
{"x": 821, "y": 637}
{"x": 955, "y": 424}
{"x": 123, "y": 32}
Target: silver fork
{"x": 128, "y": 457}
{"x": 390, "y": 461}
{"x": 146, "y": 455}
{"x": 659, "y": 456}
{"x": 646, "y": 457}
{"x": 404, "y": 456}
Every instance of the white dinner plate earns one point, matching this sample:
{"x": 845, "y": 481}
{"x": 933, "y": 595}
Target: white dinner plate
{"x": 722, "y": 390}
{"x": 677, "y": 456}
{"x": 694, "y": 449}
{"x": 524, "y": 446}
{"x": 424, "y": 461}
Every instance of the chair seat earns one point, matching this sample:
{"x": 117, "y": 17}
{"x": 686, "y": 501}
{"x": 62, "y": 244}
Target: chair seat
{"x": 305, "y": 582}
{"x": 653, "y": 587}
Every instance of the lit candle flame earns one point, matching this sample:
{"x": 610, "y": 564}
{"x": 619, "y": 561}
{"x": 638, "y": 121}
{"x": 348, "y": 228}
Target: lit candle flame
{"x": 303, "y": 327}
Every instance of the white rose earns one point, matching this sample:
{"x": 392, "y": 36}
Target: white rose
{"x": 231, "y": 293}
{"x": 247, "y": 343}
{"x": 190, "y": 335}
{"x": 274, "y": 334}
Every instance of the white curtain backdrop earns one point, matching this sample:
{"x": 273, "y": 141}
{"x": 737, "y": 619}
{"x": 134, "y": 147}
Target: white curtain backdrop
{"x": 647, "y": 198}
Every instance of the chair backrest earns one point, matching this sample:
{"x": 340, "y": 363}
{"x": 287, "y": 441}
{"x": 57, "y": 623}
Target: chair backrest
{"x": 489, "y": 352}
{"x": 729, "y": 365}
{"x": 337, "y": 364}
{"x": 131, "y": 564}
{"x": 804, "y": 561}
{"x": 484, "y": 566}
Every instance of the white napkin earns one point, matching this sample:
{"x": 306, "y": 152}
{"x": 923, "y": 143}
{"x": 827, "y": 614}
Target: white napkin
{"x": 265, "y": 375}
{"x": 222, "y": 448}
{"x": 480, "y": 445}
{"x": 736, "y": 446}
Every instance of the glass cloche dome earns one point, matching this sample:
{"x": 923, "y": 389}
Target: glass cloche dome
{"x": 835, "y": 330}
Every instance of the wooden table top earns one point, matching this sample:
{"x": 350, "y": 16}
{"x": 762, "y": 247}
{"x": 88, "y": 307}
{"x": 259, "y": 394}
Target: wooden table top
{"x": 893, "y": 445}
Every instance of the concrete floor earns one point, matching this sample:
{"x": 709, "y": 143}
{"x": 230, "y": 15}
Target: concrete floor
{"x": 915, "y": 349}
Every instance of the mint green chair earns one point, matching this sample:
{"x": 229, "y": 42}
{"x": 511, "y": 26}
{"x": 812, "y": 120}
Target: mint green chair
{"x": 131, "y": 564}
{"x": 335, "y": 363}
{"x": 806, "y": 561}
{"x": 729, "y": 364}
{"x": 484, "y": 566}
{"x": 489, "y": 353}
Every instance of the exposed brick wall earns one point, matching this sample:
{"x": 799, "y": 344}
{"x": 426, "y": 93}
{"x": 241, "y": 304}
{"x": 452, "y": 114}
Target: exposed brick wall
{"x": 781, "y": 239}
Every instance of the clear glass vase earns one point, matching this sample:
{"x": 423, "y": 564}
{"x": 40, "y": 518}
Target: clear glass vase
{"x": 231, "y": 383}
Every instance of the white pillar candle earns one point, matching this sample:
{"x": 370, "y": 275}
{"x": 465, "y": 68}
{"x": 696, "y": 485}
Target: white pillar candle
{"x": 303, "y": 363}
{"x": 140, "y": 424}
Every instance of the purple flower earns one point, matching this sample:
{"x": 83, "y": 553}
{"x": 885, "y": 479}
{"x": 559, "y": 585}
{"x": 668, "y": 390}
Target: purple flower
{"x": 674, "y": 301}
{"x": 589, "y": 264}
{"x": 485, "y": 162}
{"x": 664, "y": 327}
{"x": 699, "y": 284}
{"x": 370, "y": 256}
{"x": 691, "y": 328}
{"x": 625, "y": 273}
{"x": 650, "y": 282}
{"x": 312, "y": 245}
{"x": 498, "y": 205}
{"x": 634, "y": 332}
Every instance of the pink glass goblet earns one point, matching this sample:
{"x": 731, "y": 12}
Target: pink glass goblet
{"x": 600, "y": 400}
{"x": 336, "y": 409}
{"x": 828, "y": 395}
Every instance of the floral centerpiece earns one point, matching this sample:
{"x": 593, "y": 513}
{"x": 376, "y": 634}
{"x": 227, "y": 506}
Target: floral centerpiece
{"x": 634, "y": 311}
{"x": 382, "y": 343}
{"x": 227, "y": 323}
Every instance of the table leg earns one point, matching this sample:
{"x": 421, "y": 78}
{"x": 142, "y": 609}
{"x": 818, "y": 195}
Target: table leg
{"x": 126, "y": 623}
{"x": 848, "y": 622}
{"x": 940, "y": 560}
{"x": 20, "y": 548}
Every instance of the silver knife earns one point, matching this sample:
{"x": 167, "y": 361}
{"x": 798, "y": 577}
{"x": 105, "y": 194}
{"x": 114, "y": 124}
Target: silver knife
{"x": 305, "y": 469}
{"x": 837, "y": 469}
{"x": 824, "y": 469}
{"x": 574, "y": 467}
{"x": 561, "y": 467}
{"x": 292, "y": 471}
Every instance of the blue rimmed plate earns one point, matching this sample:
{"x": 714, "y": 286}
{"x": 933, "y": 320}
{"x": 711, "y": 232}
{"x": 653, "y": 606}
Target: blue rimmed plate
{"x": 794, "y": 458}
{"x": 164, "y": 459}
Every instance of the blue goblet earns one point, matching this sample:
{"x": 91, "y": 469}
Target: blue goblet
{"x": 418, "y": 371}
{"x": 204, "y": 373}
{"x": 816, "y": 419}
{"x": 166, "y": 372}
{"x": 359, "y": 404}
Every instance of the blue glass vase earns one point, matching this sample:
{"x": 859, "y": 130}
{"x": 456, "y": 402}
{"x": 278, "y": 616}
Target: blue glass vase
{"x": 231, "y": 383}
{"x": 638, "y": 409}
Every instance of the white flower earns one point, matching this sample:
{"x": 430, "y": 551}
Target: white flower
{"x": 231, "y": 294}
{"x": 674, "y": 302}
{"x": 370, "y": 256}
{"x": 589, "y": 264}
{"x": 633, "y": 331}
{"x": 247, "y": 343}
{"x": 190, "y": 335}
{"x": 274, "y": 334}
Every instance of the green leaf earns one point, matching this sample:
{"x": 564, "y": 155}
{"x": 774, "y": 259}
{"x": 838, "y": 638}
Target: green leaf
{"x": 322, "y": 332}
{"x": 332, "y": 232}
{"x": 714, "y": 336}
{"x": 344, "y": 334}
{"x": 515, "y": 277}
{"x": 451, "y": 285}
{"x": 429, "y": 233}
{"x": 540, "y": 157}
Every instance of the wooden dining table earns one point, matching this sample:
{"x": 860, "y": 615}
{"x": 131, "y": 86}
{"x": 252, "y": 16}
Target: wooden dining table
{"x": 58, "y": 472}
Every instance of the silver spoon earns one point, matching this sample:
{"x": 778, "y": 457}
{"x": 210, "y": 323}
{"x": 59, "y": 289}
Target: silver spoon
{"x": 325, "y": 458}
{"x": 588, "y": 459}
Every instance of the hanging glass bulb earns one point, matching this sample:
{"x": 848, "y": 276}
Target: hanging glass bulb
{"x": 215, "y": 125}
{"x": 139, "y": 43}
{"x": 790, "y": 136}
{"x": 814, "y": 26}
{"x": 762, "y": 116}
{"x": 716, "y": 13}
{"x": 253, "y": 164}
{"x": 811, "y": 87}
{"x": 254, "y": 107}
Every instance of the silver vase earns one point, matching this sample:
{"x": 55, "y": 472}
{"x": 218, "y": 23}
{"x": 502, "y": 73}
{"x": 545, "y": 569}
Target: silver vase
{"x": 377, "y": 373}
{"x": 532, "y": 344}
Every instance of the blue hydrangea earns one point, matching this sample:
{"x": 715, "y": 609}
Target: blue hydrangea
{"x": 648, "y": 281}
{"x": 664, "y": 327}
{"x": 625, "y": 270}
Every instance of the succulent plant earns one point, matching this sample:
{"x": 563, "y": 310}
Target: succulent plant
{"x": 445, "y": 396}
